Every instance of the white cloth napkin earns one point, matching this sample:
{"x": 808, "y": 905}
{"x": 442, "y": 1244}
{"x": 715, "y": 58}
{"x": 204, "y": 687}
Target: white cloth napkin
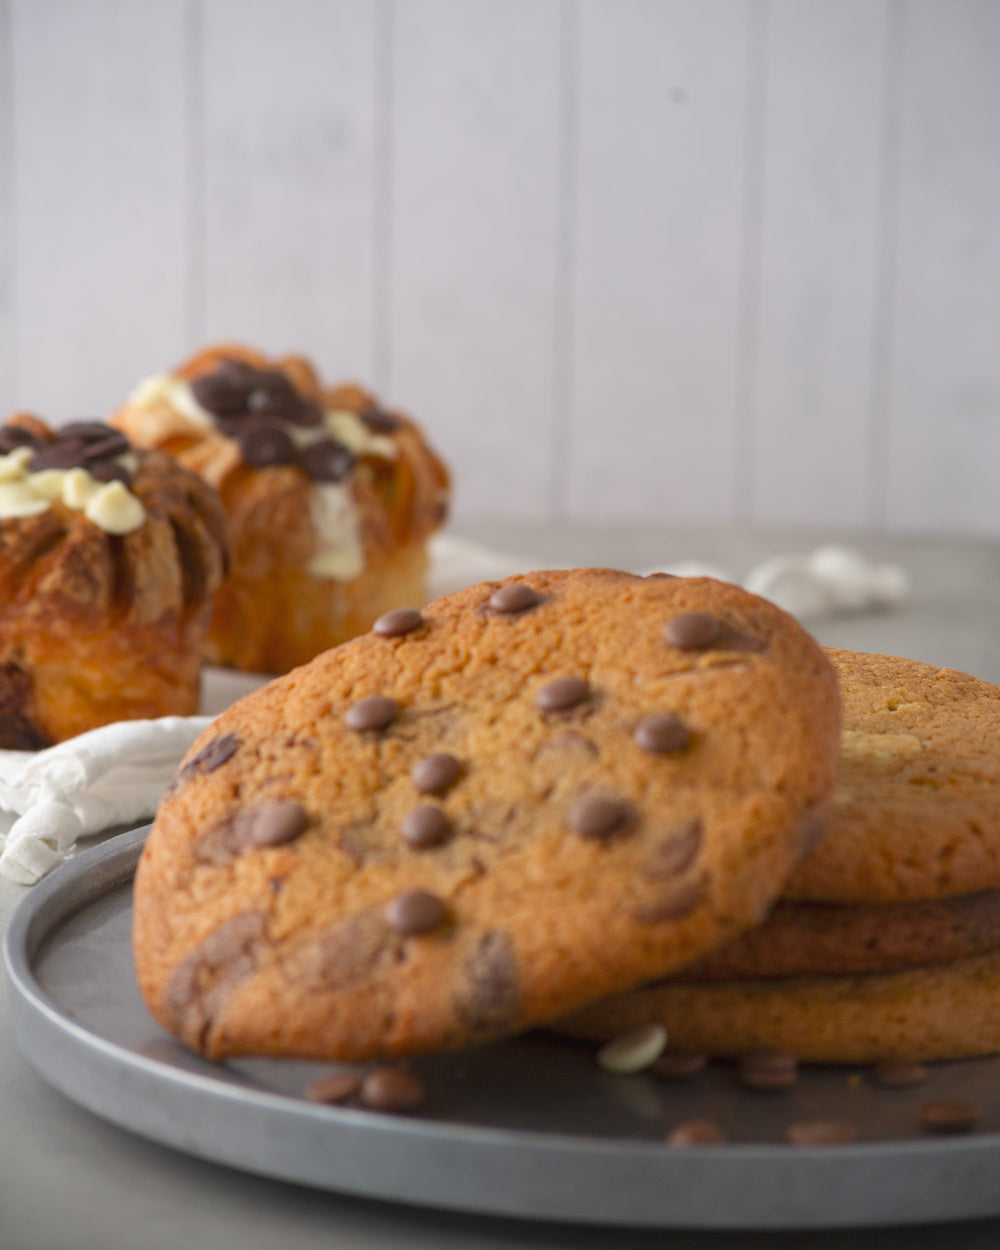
{"x": 114, "y": 776}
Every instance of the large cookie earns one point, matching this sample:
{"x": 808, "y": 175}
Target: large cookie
{"x": 917, "y": 808}
{"x": 473, "y": 820}
{"x": 940, "y": 1011}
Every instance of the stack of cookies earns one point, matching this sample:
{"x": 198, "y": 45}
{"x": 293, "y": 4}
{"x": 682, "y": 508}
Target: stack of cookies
{"x": 575, "y": 797}
{"x": 886, "y": 942}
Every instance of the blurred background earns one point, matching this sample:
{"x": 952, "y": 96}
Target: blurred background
{"x": 698, "y": 262}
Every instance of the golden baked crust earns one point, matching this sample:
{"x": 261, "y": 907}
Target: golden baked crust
{"x": 274, "y": 610}
{"x": 98, "y": 627}
{"x": 830, "y": 939}
{"x": 939, "y": 1011}
{"x": 633, "y": 765}
{"x": 916, "y": 813}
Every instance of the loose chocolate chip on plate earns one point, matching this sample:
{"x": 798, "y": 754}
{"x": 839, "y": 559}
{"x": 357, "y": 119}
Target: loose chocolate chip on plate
{"x": 692, "y": 631}
{"x": 517, "y": 597}
{"x": 697, "y": 1133}
{"x": 391, "y": 1089}
{"x": 819, "y": 1133}
{"x": 769, "y": 1070}
{"x": 425, "y": 827}
{"x": 677, "y": 1065}
{"x": 327, "y": 460}
{"x": 397, "y": 622}
{"x": 436, "y": 774}
{"x": 949, "y": 1117}
{"x": 264, "y": 443}
{"x": 375, "y": 712}
{"x": 662, "y": 734}
{"x": 414, "y": 912}
{"x": 599, "y": 816}
{"x": 336, "y": 1088}
{"x": 562, "y": 694}
{"x": 675, "y": 853}
{"x": 634, "y": 1050}
{"x": 899, "y": 1073}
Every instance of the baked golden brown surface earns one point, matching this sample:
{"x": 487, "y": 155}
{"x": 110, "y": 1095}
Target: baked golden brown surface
{"x": 330, "y": 499}
{"x": 467, "y": 822}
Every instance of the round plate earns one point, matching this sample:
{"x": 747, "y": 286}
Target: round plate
{"x": 528, "y": 1127}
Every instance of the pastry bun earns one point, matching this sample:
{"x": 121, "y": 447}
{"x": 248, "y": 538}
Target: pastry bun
{"x": 330, "y": 499}
{"x": 109, "y": 561}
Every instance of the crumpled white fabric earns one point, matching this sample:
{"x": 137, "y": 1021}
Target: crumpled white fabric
{"x": 115, "y": 776}
{"x": 107, "y": 777}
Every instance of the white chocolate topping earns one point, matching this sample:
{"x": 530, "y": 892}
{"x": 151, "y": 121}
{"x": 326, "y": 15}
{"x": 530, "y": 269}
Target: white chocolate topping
{"x": 111, "y": 506}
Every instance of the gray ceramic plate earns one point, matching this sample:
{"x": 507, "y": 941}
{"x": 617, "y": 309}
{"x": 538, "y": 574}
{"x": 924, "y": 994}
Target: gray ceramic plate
{"x": 530, "y": 1127}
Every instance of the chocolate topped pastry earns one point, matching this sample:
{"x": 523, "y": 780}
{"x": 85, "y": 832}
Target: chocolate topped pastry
{"x": 330, "y": 499}
{"x": 109, "y": 561}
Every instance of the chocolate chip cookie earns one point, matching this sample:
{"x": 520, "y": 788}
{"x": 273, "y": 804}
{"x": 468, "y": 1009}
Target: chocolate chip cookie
{"x": 479, "y": 817}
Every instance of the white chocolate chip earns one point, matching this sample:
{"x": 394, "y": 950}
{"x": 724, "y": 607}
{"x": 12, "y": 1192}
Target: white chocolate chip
{"x": 48, "y": 484}
{"x": 17, "y": 499}
{"x": 340, "y": 554}
{"x": 14, "y": 465}
{"x": 176, "y": 393}
{"x": 78, "y": 488}
{"x": 114, "y": 509}
{"x": 634, "y": 1050}
{"x": 349, "y": 429}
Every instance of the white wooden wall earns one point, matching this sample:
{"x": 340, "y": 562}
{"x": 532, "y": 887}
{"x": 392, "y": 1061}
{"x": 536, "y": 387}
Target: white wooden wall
{"x": 697, "y": 261}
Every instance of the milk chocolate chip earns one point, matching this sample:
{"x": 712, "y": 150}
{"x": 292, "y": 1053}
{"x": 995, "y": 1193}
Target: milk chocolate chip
{"x": 662, "y": 734}
{"x": 562, "y": 694}
{"x": 437, "y": 773}
{"x": 598, "y": 816}
{"x": 415, "y": 912}
{"x": 375, "y": 712}
{"x": 692, "y": 631}
{"x": 398, "y": 622}
{"x": 514, "y": 598}
{"x": 425, "y": 827}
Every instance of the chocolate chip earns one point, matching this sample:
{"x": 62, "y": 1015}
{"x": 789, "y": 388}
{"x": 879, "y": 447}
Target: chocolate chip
{"x": 675, "y": 853}
{"x": 697, "y": 1133}
{"x": 692, "y": 631}
{"x": 379, "y": 421}
{"x": 105, "y": 446}
{"x": 12, "y": 436}
{"x": 949, "y": 1117}
{"x": 391, "y": 1089}
{"x": 562, "y": 694}
{"x": 436, "y": 774}
{"x": 662, "y": 734}
{"x": 516, "y": 597}
{"x": 819, "y": 1133}
{"x": 223, "y": 392}
{"x": 264, "y": 443}
{"x": 674, "y": 905}
{"x": 272, "y": 395}
{"x": 425, "y": 827}
{"x": 397, "y": 622}
{"x": 109, "y": 471}
{"x": 489, "y": 1000}
{"x": 276, "y": 822}
{"x": 308, "y": 415}
{"x": 676, "y": 1065}
{"x": 327, "y": 460}
{"x": 414, "y": 912}
{"x": 214, "y": 754}
{"x": 899, "y": 1073}
{"x": 375, "y": 712}
{"x": 336, "y": 1088}
{"x": 769, "y": 1070}
{"x": 64, "y": 454}
{"x": 598, "y": 816}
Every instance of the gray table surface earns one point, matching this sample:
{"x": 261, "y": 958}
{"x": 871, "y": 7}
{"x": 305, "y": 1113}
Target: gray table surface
{"x": 69, "y": 1181}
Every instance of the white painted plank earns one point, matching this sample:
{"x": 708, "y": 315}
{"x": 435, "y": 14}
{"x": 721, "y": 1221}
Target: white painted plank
{"x": 289, "y": 99}
{"x": 471, "y": 301}
{"x": 99, "y": 198}
{"x": 7, "y": 242}
{"x": 943, "y": 436}
{"x": 820, "y": 230}
{"x": 663, "y": 108}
